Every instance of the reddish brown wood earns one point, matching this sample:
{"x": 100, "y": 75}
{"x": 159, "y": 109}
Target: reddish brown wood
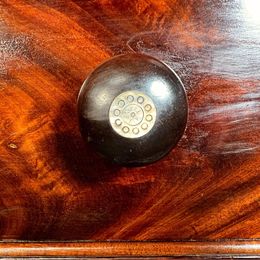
{"x": 131, "y": 249}
{"x": 52, "y": 187}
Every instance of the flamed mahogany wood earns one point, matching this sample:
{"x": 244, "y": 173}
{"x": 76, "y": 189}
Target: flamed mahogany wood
{"x": 55, "y": 188}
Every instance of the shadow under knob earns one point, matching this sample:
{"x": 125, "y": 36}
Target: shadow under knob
{"x": 132, "y": 109}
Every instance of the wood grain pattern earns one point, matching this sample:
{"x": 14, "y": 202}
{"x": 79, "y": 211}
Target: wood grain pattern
{"x": 53, "y": 187}
{"x": 133, "y": 249}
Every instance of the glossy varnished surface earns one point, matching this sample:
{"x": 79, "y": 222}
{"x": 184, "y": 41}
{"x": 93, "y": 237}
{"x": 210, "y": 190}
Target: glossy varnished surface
{"x": 52, "y": 187}
{"x": 128, "y": 95}
{"x": 206, "y": 250}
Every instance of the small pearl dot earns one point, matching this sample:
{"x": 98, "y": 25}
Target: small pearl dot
{"x": 148, "y": 107}
{"x": 125, "y": 129}
{"x": 130, "y": 98}
{"x": 13, "y": 146}
{"x": 144, "y": 126}
{"x": 149, "y": 118}
{"x": 136, "y": 130}
{"x": 121, "y": 103}
{"x": 140, "y": 100}
{"x": 116, "y": 112}
{"x": 118, "y": 122}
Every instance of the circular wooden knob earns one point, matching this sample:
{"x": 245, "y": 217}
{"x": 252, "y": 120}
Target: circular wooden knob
{"x": 133, "y": 109}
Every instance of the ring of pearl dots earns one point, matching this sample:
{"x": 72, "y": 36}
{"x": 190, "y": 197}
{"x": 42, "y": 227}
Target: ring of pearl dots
{"x": 132, "y": 114}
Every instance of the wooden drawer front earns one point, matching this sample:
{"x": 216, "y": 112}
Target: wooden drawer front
{"x": 54, "y": 187}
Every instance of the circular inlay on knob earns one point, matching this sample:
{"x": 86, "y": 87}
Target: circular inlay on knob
{"x": 133, "y": 109}
{"x": 132, "y": 114}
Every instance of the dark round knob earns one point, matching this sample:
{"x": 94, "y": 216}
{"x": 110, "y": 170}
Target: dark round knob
{"x": 133, "y": 109}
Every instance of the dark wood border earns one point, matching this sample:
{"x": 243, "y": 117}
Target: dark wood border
{"x": 133, "y": 249}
